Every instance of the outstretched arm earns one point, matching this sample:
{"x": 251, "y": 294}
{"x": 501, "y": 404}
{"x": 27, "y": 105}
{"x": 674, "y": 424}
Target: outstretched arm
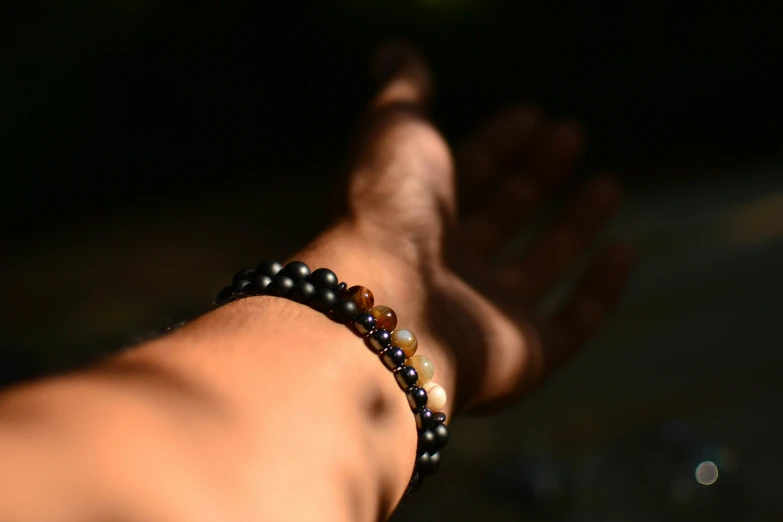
{"x": 265, "y": 409}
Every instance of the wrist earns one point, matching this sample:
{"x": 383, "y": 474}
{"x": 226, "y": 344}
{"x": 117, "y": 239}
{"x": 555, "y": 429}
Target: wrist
{"x": 360, "y": 257}
{"x": 254, "y": 346}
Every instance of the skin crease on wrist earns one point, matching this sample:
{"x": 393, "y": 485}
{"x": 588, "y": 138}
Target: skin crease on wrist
{"x": 266, "y": 410}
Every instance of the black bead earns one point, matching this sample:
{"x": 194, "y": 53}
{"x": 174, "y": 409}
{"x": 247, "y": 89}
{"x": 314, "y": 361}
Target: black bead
{"x": 323, "y": 300}
{"x": 242, "y": 283}
{"x": 427, "y": 463}
{"x": 224, "y": 294}
{"x": 279, "y": 286}
{"x": 379, "y": 340}
{"x": 426, "y": 442}
{"x": 417, "y": 397}
{"x": 262, "y": 281}
{"x": 248, "y": 290}
{"x": 439, "y": 418}
{"x": 422, "y": 463}
{"x": 415, "y": 483}
{"x": 323, "y": 278}
{"x": 364, "y": 323}
{"x": 341, "y": 288}
{"x": 246, "y": 274}
{"x": 302, "y": 292}
{"x": 406, "y": 377}
{"x": 269, "y": 268}
{"x": 434, "y": 462}
{"x": 393, "y": 357}
{"x": 296, "y": 270}
{"x": 423, "y": 419}
{"x": 344, "y": 311}
{"x": 441, "y": 436}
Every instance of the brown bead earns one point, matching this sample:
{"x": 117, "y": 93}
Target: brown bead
{"x": 405, "y": 340}
{"x": 362, "y": 297}
{"x": 384, "y": 318}
{"x": 423, "y": 367}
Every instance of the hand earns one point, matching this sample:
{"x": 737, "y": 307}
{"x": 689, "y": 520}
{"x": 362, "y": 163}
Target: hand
{"x": 403, "y": 196}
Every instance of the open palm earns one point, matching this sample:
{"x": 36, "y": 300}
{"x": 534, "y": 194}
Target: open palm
{"x": 451, "y": 219}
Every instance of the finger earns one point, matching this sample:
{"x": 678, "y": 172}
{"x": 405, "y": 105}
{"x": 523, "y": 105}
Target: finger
{"x": 400, "y": 158}
{"x": 558, "y": 151}
{"x": 403, "y": 77}
{"x": 558, "y": 247}
{"x": 495, "y": 145}
{"x": 487, "y": 230}
{"x": 558, "y": 148}
{"x": 592, "y": 300}
{"x": 396, "y": 133}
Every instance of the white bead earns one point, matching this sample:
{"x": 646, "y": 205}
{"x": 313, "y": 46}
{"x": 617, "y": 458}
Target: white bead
{"x": 436, "y": 396}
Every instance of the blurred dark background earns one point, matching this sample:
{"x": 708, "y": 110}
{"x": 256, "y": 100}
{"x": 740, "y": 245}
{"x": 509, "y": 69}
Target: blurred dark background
{"x": 148, "y": 150}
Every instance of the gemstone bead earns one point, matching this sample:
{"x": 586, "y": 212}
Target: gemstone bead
{"x": 423, "y": 463}
{"x": 406, "y": 377}
{"x": 393, "y": 357}
{"x": 439, "y": 418}
{"x": 426, "y": 442}
{"x": 441, "y": 436}
{"x": 427, "y": 463}
{"x": 279, "y": 286}
{"x": 345, "y": 311}
{"x": 262, "y": 281}
{"x": 384, "y": 317}
{"x": 423, "y": 366}
{"x": 423, "y": 419}
{"x": 340, "y": 290}
{"x": 417, "y": 397}
{"x": 302, "y": 292}
{"x": 434, "y": 462}
{"x": 379, "y": 340}
{"x": 323, "y": 300}
{"x": 437, "y": 396}
{"x": 415, "y": 483}
{"x": 246, "y": 274}
{"x": 269, "y": 268}
{"x": 405, "y": 340}
{"x": 362, "y": 296}
{"x": 242, "y": 283}
{"x": 364, "y": 324}
{"x": 248, "y": 290}
{"x": 323, "y": 278}
{"x": 296, "y": 270}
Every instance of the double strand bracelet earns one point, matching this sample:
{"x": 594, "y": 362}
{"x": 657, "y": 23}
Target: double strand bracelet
{"x": 354, "y": 307}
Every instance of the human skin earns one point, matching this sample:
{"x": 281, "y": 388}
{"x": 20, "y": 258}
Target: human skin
{"x": 264, "y": 409}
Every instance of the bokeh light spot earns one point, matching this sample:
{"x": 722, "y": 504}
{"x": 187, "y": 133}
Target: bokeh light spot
{"x": 706, "y": 473}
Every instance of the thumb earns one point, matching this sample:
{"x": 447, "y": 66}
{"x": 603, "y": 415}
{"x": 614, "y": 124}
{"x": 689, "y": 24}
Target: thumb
{"x": 402, "y": 76}
{"x": 396, "y": 138}
{"x": 401, "y": 165}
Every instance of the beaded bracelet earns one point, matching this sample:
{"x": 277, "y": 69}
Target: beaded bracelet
{"x": 396, "y": 348}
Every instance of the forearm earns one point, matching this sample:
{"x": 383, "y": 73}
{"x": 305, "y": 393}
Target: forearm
{"x": 265, "y": 408}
